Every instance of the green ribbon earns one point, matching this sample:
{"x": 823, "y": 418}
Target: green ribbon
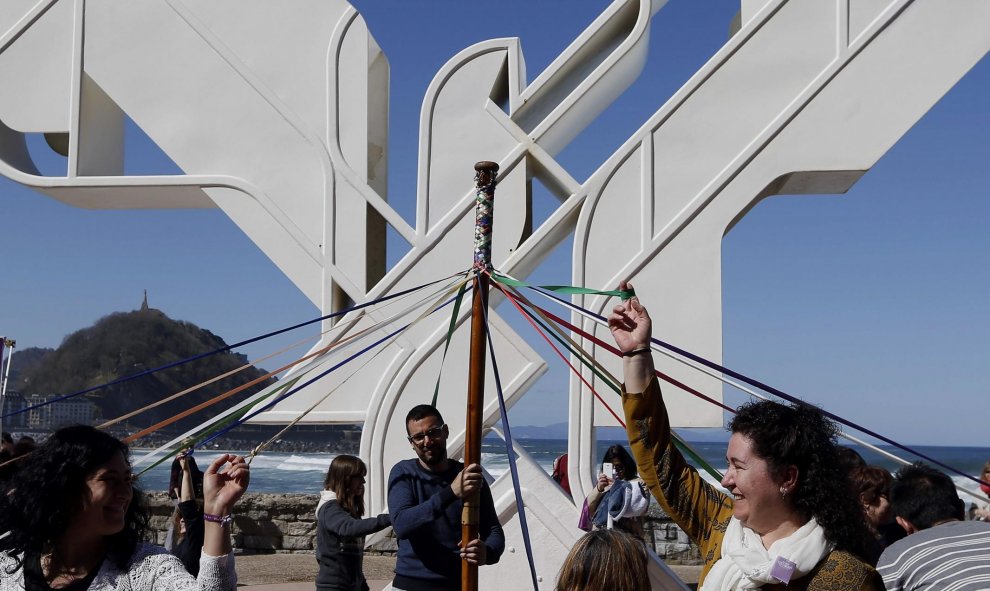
{"x": 623, "y": 294}
{"x": 688, "y": 450}
{"x": 579, "y": 353}
{"x": 450, "y": 331}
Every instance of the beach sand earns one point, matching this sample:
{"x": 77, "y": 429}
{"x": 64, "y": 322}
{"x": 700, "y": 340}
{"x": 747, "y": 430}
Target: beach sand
{"x": 296, "y": 572}
{"x": 277, "y": 569}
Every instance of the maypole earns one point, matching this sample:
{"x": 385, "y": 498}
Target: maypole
{"x": 484, "y": 177}
{"x": 9, "y": 343}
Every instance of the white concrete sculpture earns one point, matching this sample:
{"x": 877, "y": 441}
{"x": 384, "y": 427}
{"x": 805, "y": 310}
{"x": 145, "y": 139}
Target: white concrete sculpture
{"x": 286, "y": 133}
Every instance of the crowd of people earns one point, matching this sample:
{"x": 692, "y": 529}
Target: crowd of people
{"x": 800, "y": 511}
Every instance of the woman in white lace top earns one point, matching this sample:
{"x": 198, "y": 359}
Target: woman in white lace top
{"x": 74, "y": 521}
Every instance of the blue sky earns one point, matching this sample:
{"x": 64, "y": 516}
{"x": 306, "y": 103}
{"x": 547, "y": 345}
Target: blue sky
{"x": 872, "y": 304}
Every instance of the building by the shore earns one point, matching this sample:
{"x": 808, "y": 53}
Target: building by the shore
{"x": 74, "y": 411}
{"x": 13, "y": 401}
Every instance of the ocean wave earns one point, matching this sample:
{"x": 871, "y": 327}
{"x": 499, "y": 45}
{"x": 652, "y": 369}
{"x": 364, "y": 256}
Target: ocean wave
{"x": 292, "y": 462}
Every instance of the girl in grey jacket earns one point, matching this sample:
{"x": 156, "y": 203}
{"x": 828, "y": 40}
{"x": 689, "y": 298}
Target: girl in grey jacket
{"x": 340, "y": 529}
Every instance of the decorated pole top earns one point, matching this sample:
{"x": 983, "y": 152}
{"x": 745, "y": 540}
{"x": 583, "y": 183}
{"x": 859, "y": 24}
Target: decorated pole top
{"x": 484, "y": 178}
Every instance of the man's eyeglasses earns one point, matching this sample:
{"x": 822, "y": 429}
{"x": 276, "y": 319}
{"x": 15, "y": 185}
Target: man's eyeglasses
{"x": 434, "y": 433}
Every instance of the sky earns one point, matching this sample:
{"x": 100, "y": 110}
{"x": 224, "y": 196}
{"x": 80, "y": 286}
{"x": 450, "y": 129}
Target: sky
{"x": 871, "y": 304}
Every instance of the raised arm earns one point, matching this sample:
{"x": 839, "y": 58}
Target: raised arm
{"x": 632, "y": 328}
{"x": 222, "y": 488}
{"x": 186, "y": 492}
{"x": 696, "y": 506}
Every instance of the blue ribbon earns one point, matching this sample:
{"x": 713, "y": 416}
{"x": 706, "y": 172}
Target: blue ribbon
{"x": 511, "y": 453}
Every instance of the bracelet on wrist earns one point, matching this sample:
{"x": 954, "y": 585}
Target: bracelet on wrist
{"x": 637, "y": 351}
{"x": 221, "y": 519}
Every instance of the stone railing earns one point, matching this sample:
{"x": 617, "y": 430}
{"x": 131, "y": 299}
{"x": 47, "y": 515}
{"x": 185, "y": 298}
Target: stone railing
{"x": 263, "y": 523}
{"x": 670, "y": 542}
{"x": 286, "y": 523}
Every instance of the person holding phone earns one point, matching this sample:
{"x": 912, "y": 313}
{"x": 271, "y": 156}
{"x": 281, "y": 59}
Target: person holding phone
{"x": 619, "y": 499}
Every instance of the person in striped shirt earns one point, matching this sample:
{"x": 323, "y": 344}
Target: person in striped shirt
{"x": 941, "y": 550}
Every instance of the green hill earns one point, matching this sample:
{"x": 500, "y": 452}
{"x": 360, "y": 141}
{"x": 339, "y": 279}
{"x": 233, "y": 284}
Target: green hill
{"x": 126, "y": 343}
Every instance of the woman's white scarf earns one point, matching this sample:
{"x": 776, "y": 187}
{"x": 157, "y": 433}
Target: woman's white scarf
{"x": 746, "y": 564}
{"x": 325, "y": 497}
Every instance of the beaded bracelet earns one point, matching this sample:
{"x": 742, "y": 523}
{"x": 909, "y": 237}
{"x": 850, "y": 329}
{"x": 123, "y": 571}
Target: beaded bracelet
{"x": 637, "y": 351}
{"x": 224, "y": 520}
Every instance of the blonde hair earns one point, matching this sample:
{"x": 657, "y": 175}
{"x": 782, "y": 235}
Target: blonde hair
{"x": 342, "y": 469}
{"x": 605, "y": 560}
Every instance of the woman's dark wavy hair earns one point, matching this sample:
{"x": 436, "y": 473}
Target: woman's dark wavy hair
{"x": 618, "y": 452}
{"x": 48, "y": 490}
{"x": 870, "y": 482}
{"x": 801, "y": 435}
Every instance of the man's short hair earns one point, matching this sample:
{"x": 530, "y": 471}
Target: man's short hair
{"x": 420, "y": 412}
{"x": 924, "y": 496}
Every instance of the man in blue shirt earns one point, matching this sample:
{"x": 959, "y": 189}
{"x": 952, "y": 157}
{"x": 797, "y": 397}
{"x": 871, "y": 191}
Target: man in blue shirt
{"x": 425, "y": 497}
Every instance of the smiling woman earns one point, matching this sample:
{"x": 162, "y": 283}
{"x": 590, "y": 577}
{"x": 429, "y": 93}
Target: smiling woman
{"x": 75, "y": 521}
{"x": 790, "y": 518}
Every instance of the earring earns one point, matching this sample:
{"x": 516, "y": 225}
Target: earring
{"x": 783, "y": 492}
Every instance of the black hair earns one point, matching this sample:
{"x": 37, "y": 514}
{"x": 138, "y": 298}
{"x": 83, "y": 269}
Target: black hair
{"x": 925, "y": 496}
{"x": 849, "y": 456}
{"x": 49, "y": 488}
{"x": 7, "y": 438}
{"x": 420, "y": 412}
{"x": 7, "y": 468}
{"x": 618, "y": 452}
{"x": 801, "y": 435}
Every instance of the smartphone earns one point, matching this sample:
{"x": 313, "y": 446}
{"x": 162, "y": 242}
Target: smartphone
{"x": 608, "y": 470}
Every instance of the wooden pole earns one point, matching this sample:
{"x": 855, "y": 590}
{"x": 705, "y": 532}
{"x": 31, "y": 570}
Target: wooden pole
{"x": 485, "y": 173}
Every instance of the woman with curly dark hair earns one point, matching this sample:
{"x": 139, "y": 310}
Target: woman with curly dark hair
{"x": 790, "y": 518}
{"x": 75, "y": 521}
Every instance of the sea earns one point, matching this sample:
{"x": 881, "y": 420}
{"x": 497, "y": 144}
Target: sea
{"x": 304, "y": 472}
